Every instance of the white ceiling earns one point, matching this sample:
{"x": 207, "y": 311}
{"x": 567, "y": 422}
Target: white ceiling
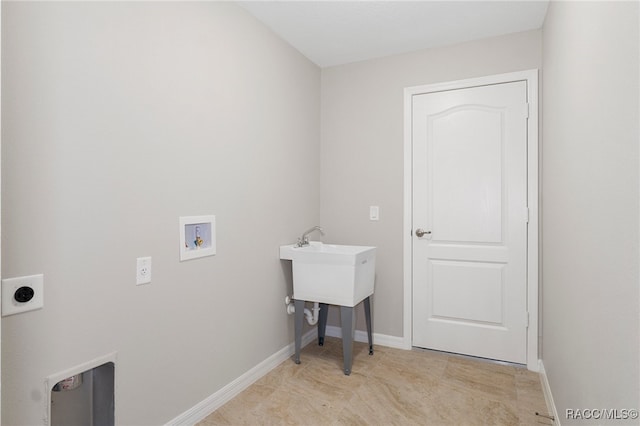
{"x": 338, "y": 32}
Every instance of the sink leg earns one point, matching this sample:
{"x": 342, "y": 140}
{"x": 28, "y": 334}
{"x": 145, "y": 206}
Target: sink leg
{"x": 298, "y": 320}
{"x": 348, "y": 329}
{"x": 367, "y": 315}
{"x": 322, "y": 323}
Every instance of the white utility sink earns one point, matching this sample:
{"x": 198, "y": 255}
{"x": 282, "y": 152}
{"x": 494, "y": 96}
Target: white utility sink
{"x": 332, "y": 274}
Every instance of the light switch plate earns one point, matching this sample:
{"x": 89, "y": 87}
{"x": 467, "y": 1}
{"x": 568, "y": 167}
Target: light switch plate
{"x": 31, "y": 285}
{"x": 374, "y": 213}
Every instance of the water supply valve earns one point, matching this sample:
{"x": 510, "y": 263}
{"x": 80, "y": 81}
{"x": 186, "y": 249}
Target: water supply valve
{"x": 289, "y": 302}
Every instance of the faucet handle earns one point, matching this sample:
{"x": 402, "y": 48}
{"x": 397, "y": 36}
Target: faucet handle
{"x": 304, "y": 239}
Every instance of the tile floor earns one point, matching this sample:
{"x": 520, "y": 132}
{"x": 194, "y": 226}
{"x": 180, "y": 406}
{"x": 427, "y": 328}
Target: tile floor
{"x": 392, "y": 387}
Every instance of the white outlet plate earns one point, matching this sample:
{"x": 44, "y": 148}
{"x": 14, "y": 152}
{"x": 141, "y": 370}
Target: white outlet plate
{"x": 143, "y": 270}
{"x": 10, "y": 305}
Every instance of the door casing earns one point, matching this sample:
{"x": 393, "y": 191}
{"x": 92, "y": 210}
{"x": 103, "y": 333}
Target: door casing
{"x": 531, "y": 78}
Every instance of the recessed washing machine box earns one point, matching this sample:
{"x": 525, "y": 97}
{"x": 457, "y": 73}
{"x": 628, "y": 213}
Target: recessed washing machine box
{"x": 84, "y": 398}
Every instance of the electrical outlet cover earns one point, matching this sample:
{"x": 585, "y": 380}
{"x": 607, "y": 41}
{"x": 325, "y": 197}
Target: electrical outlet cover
{"x": 143, "y": 270}
{"x": 10, "y": 286}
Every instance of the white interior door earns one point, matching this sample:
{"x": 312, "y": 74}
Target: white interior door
{"x": 470, "y": 221}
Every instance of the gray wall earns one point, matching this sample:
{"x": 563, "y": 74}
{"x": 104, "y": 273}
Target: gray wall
{"x": 117, "y": 119}
{"x": 590, "y": 205}
{"x": 0, "y": 205}
{"x": 363, "y": 146}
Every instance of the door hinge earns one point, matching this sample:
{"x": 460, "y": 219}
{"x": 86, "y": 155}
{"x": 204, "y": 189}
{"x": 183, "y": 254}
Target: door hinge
{"x": 526, "y": 214}
{"x": 526, "y": 320}
{"x": 526, "y": 110}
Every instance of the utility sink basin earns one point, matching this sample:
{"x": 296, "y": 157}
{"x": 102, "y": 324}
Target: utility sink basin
{"x": 333, "y": 274}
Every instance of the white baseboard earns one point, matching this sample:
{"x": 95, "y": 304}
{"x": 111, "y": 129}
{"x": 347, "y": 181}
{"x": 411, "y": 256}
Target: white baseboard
{"x": 218, "y": 399}
{"x": 361, "y": 336}
{"x": 548, "y": 397}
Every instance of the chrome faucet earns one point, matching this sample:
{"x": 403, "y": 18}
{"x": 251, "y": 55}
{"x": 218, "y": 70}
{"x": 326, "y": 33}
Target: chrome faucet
{"x": 304, "y": 239}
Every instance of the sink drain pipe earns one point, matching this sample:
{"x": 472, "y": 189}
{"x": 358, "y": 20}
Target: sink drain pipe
{"x": 312, "y": 317}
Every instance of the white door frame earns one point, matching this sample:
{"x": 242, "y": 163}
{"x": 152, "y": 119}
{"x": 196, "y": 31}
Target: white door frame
{"x": 531, "y": 77}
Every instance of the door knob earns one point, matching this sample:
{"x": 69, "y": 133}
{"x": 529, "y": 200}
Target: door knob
{"x": 421, "y": 232}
